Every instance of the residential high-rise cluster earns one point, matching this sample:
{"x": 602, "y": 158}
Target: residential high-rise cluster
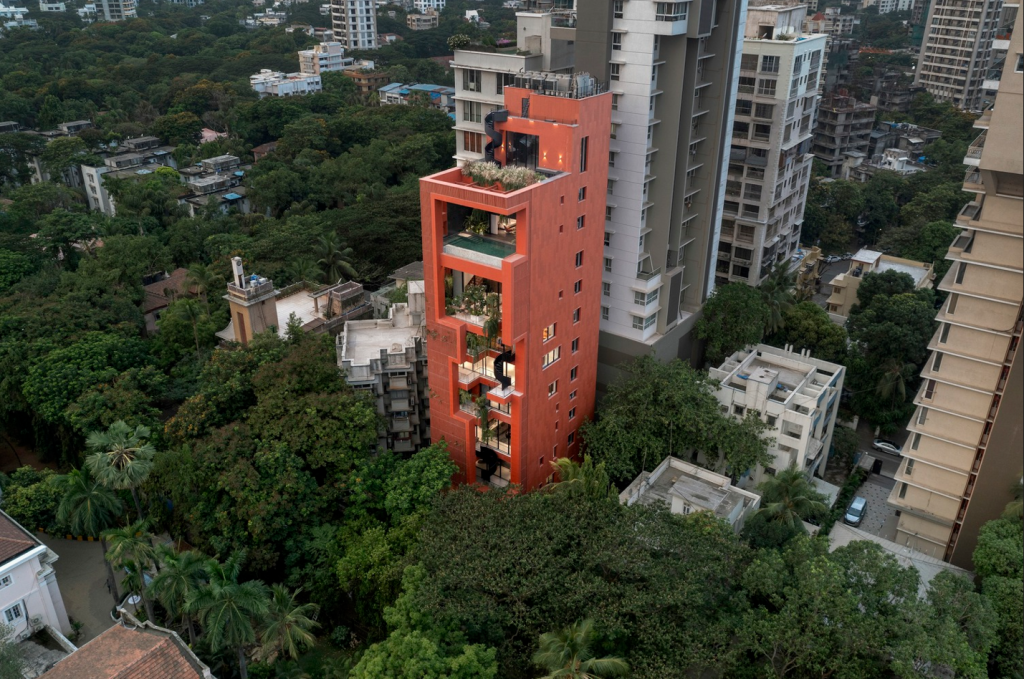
{"x": 963, "y": 455}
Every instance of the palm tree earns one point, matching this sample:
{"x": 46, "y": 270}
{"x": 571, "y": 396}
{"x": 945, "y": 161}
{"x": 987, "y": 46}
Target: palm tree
{"x": 567, "y": 654}
{"x": 304, "y": 269}
{"x": 288, "y": 627}
{"x": 895, "y": 373}
{"x": 335, "y": 258}
{"x": 188, "y": 310}
{"x": 788, "y": 497}
{"x": 226, "y": 608}
{"x": 777, "y": 294}
{"x": 89, "y": 508}
{"x": 182, "y": 575}
{"x": 202, "y": 279}
{"x": 131, "y": 548}
{"x": 588, "y": 479}
{"x": 121, "y": 459}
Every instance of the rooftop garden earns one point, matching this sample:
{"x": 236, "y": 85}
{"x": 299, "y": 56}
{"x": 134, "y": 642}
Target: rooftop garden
{"x": 491, "y": 175}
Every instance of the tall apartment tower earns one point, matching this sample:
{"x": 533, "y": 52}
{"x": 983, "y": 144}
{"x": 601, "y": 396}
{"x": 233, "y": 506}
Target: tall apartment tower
{"x": 770, "y": 159}
{"x": 513, "y": 285}
{"x": 956, "y": 50}
{"x": 671, "y": 68}
{"x": 355, "y": 24}
{"x": 118, "y": 10}
{"x": 963, "y": 455}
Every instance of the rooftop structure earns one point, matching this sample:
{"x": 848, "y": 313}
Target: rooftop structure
{"x": 687, "y": 489}
{"x": 845, "y": 285}
{"x": 514, "y": 336}
{"x": 388, "y": 358}
{"x": 436, "y": 96}
{"x": 257, "y": 306}
{"x": 268, "y": 83}
{"x": 130, "y": 648}
{"x": 966, "y": 435}
{"x": 796, "y": 395}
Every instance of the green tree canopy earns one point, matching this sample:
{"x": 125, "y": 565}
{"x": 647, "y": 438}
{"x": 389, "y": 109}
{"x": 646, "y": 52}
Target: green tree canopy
{"x": 734, "y": 317}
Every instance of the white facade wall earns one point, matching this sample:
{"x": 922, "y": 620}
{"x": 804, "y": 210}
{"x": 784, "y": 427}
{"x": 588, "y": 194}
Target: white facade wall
{"x": 423, "y": 5}
{"x": 116, "y": 10}
{"x": 275, "y": 84}
{"x": 29, "y": 596}
{"x": 770, "y": 160}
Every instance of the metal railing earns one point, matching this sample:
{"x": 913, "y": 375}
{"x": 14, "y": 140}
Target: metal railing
{"x": 648, "y": 275}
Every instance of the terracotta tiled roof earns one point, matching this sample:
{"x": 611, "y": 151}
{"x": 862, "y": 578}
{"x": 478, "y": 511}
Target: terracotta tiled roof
{"x": 14, "y": 540}
{"x": 129, "y": 652}
{"x": 155, "y": 297}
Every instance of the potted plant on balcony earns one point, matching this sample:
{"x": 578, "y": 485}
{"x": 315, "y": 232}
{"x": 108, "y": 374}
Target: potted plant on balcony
{"x": 482, "y": 412}
{"x": 477, "y": 222}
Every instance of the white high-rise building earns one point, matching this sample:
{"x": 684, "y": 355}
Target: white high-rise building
{"x": 770, "y": 160}
{"x": 355, "y": 23}
{"x": 956, "y": 51}
{"x": 116, "y": 10}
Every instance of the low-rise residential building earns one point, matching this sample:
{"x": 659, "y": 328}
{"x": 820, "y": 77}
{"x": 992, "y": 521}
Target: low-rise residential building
{"x": 161, "y": 289}
{"x": 440, "y": 97}
{"x": 268, "y": 83}
{"x": 422, "y": 22}
{"x": 140, "y": 158}
{"x": 257, "y": 306}
{"x": 806, "y": 263}
{"x": 15, "y": 17}
{"x": 901, "y": 136}
{"x": 891, "y": 160}
{"x": 795, "y": 394}
{"x": 9, "y": 126}
{"x": 327, "y": 56}
{"x": 49, "y": 6}
{"x": 87, "y": 12}
{"x": 388, "y": 38}
{"x": 30, "y": 599}
{"x": 424, "y": 6}
{"x": 215, "y": 181}
{"x": 400, "y": 278}
{"x": 388, "y": 358}
{"x": 845, "y": 285}
{"x": 844, "y": 127}
{"x": 367, "y": 79}
{"x": 687, "y": 489}
{"x": 131, "y": 648}
{"x": 832, "y": 22}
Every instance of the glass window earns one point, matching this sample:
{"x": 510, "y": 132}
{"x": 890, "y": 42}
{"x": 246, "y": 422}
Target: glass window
{"x": 551, "y": 357}
{"x": 576, "y": 345}
{"x": 606, "y": 289}
{"x": 473, "y": 142}
{"x": 614, "y": 71}
{"x": 573, "y": 373}
{"x": 471, "y": 111}
{"x": 608, "y": 264}
{"x": 670, "y": 11}
{"x": 572, "y": 395}
{"x": 471, "y": 80}
{"x": 744, "y": 107}
{"x": 604, "y": 313}
{"x": 766, "y": 87}
{"x": 576, "y": 315}
{"x": 617, "y": 9}
{"x": 548, "y": 332}
{"x": 582, "y": 194}
{"x": 581, "y": 221}
{"x": 572, "y": 413}
{"x": 769, "y": 64}
{"x": 748, "y": 62}
{"x": 553, "y": 388}
{"x": 584, "y": 145}
{"x": 577, "y": 287}
{"x": 616, "y": 40}
{"x": 579, "y": 259}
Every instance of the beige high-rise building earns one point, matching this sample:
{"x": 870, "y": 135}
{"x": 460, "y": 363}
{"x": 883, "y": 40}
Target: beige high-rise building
{"x": 963, "y": 456}
{"x": 956, "y": 50}
{"x": 355, "y": 24}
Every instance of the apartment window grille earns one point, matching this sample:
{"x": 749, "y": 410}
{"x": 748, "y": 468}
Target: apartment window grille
{"x": 748, "y": 62}
{"x": 744, "y": 107}
{"x": 752, "y": 192}
{"x": 572, "y": 437}
{"x": 611, "y": 159}
{"x": 616, "y": 98}
{"x": 471, "y": 80}
{"x": 572, "y": 413}
{"x": 910, "y": 467}
{"x": 916, "y": 442}
{"x": 608, "y": 264}
{"x": 606, "y": 289}
{"x": 929, "y": 391}
{"x": 769, "y": 64}
{"x": 617, "y": 9}
{"x": 815, "y": 59}
{"x": 765, "y": 111}
{"x": 604, "y": 313}
{"x": 607, "y": 238}
{"x": 961, "y": 270}
{"x": 922, "y": 416}
{"x": 614, "y": 71}
{"x": 746, "y": 84}
{"x": 670, "y": 11}
{"x": 6, "y": 582}
{"x": 504, "y": 80}
{"x": 643, "y": 299}
{"x": 766, "y": 87}
{"x": 14, "y": 613}
{"x": 616, "y": 41}
{"x": 471, "y": 111}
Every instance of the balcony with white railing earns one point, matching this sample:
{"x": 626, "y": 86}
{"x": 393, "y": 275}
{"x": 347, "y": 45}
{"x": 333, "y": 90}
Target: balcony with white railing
{"x": 973, "y": 157}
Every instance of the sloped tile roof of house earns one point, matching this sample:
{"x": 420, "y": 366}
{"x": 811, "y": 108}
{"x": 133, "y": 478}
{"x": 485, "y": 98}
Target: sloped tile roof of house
{"x": 131, "y": 651}
{"x": 155, "y": 297}
{"x": 14, "y": 540}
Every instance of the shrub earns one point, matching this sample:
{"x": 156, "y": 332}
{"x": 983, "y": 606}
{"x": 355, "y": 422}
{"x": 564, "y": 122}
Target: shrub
{"x": 843, "y": 500}
{"x": 31, "y": 498}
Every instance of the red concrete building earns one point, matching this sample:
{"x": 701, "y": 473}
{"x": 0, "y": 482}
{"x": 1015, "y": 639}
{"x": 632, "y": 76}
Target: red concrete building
{"x": 513, "y": 289}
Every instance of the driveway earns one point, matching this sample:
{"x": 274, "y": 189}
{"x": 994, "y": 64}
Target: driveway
{"x": 82, "y": 577}
{"x": 827, "y": 272}
{"x": 880, "y": 519}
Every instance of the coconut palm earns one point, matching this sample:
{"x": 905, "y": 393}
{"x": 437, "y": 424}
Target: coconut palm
{"x": 203, "y": 279}
{"x": 895, "y": 374}
{"x": 121, "y": 458}
{"x": 131, "y": 548}
{"x": 226, "y": 608}
{"x": 288, "y": 627}
{"x": 303, "y": 269}
{"x": 335, "y": 258}
{"x": 777, "y": 294}
{"x": 182, "y": 575}
{"x": 789, "y": 498}
{"x": 588, "y": 479}
{"x": 567, "y": 654}
{"x": 89, "y": 508}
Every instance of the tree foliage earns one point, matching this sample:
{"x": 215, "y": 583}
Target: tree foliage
{"x": 734, "y": 317}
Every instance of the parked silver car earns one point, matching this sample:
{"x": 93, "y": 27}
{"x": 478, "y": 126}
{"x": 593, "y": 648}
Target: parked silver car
{"x": 855, "y": 513}
{"x": 887, "y": 446}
